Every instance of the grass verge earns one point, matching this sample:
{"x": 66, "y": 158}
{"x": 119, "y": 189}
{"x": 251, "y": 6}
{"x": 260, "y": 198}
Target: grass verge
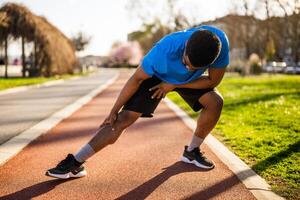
{"x": 260, "y": 122}
{"x": 6, "y": 83}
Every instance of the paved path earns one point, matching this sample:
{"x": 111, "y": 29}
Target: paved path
{"x": 142, "y": 164}
{"x": 22, "y": 110}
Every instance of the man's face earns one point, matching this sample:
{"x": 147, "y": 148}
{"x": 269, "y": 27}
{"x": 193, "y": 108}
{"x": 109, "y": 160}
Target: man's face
{"x": 187, "y": 63}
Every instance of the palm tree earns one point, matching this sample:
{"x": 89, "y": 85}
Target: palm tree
{"x": 53, "y": 51}
{"x": 23, "y": 57}
{"x": 5, "y": 57}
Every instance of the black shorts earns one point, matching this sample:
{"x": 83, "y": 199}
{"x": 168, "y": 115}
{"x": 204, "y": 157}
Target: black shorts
{"x": 142, "y": 102}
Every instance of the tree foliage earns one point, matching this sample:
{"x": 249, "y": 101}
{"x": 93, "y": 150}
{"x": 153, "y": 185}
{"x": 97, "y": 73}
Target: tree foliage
{"x": 154, "y": 27}
{"x": 80, "y": 41}
{"x": 251, "y": 27}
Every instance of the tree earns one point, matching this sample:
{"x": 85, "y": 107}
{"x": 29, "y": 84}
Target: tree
{"x": 270, "y": 50}
{"x": 4, "y": 24}
{"x": 149, "y": 35}
{"x": 267, "y": 8}
{"x": 292, "y": 8}
{"x": 154, "y": 28}
{"x": 246, "y": 32}
{"x": 276, "y": 30}
{"x": 126, "y": 53}
{"x": 170, "y": 15}
{"x": 6, "y": 56}
{"x": 80, "y": 41}
{"x": 23, "y": 57}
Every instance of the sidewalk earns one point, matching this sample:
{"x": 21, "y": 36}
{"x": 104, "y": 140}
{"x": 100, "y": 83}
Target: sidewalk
{"x": 142, "y": 164}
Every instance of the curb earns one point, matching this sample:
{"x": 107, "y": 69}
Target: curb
{"x": 13, "y": 146}
{"x": 253, "y": 182}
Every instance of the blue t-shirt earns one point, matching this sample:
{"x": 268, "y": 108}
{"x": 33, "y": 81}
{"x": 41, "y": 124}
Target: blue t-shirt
{"x": 164, "y": 60}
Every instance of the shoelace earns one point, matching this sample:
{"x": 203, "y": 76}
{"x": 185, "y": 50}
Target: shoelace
{"x": 63, "y": 162}
{"x": 198, "y": 152}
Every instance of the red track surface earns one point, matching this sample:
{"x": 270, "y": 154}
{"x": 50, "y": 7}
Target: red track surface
{"x": 142, "y": 164}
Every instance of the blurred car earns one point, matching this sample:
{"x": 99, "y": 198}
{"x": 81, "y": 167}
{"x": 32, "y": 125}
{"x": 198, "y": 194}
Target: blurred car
{"x": 275, "y": 67}
{"x": 268, "y": 67}
{"x": 292, "y": 69}
{"x": 280, "y": 66}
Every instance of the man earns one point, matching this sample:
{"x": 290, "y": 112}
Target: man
{"x": 176, "y": 63}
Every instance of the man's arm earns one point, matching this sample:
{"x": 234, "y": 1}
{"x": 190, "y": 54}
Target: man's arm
{"x": 212, "y": 80}
{"x": 128, "y": 90}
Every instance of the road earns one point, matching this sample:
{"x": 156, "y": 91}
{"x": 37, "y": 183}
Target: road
{"x": 22, "y": 110}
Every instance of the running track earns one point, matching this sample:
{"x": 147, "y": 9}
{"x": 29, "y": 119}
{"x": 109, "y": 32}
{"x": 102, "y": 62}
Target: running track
{"x": 142, "y": 164}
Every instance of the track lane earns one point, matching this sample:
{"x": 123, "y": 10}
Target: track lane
{"x": 142, "y": 164}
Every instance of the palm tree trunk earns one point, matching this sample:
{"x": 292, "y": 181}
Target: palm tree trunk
{"x": 23, "y": 58}
{"x": 35, "y": 52}
{"x": 6, "y": 56}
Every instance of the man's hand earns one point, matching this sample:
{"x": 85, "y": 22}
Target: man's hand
{"x": 128, "y": 90}
{"x": 162, "y": 89}
{"x": 110, "y": 120}
{"x": 213, "y": 79}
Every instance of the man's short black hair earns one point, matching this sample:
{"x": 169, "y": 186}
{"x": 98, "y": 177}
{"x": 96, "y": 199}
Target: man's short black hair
{"x": 202, "y": 48}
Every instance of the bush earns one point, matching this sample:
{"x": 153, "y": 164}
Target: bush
{"x": 256, "y": 69}
{"x": 255, "y": 64}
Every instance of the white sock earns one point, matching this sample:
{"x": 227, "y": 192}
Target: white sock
{"x": 84, "y": 153}
{"x": 196, "y": 142}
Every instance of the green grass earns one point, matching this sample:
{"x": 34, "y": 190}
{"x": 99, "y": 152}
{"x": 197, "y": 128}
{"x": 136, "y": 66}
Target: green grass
{"x": 6, "y": 83}
{"x": 260, "y": 122}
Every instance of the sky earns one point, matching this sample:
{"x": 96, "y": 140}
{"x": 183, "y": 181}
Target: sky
{"x": 107, "y": 21}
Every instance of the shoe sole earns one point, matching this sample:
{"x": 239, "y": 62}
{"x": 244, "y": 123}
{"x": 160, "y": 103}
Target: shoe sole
{"x": 68, "y": 175}
{"x": 186, "y": 160}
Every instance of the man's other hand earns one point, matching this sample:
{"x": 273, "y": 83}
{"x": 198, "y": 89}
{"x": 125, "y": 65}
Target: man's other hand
{"x": 162, "y": 89}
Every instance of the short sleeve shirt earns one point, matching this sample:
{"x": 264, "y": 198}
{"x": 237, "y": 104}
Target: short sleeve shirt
{"x": 164, "y": 60}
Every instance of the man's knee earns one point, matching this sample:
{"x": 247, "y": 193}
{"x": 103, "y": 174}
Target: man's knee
{"x": 126, "y": 118}
{"x": 212, "y": 99}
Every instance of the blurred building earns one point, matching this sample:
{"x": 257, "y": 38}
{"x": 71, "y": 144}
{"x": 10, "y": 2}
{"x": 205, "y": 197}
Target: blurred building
{"x": 92, "y": 60}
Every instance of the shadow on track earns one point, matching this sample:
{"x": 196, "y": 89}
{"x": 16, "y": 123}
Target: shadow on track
{"x": 34, "y": 190}
{"x": 144, "y": 190}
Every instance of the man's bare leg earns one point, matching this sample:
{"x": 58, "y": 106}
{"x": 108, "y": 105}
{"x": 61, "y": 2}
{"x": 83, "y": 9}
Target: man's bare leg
{"x": 71, "y": 166}
{"x": 212, "y": 106}
{"x": 107, "y": 135}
